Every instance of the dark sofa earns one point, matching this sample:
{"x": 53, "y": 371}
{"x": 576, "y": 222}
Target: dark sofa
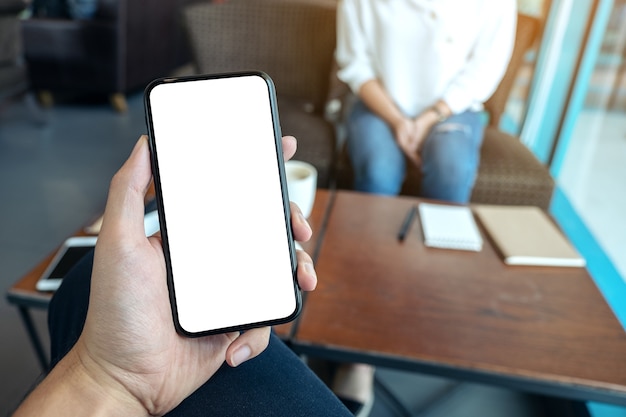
{"x": 125, "y": 45}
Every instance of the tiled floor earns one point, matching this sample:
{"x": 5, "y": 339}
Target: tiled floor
{"x": 54, "y": 179}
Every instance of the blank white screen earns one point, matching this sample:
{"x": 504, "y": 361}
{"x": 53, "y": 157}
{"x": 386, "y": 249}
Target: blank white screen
{"x": 222, "y": 200}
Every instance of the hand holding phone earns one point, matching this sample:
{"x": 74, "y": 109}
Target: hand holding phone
{"x": 217, "y": 164}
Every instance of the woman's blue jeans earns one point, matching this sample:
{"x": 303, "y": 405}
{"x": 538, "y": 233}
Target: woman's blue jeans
{"x": 450, "y": 155}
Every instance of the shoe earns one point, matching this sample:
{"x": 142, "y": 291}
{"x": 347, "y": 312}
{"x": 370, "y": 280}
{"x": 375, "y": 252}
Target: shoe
{"x": 354, "y": 386}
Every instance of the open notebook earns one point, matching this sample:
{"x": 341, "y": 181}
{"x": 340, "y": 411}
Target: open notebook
{"x": 525, "y": 235}
{"x": 449, "y": 227}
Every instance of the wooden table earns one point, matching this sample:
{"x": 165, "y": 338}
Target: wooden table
{"x": 457, "y": 314}
{"x": 24, "y": 295}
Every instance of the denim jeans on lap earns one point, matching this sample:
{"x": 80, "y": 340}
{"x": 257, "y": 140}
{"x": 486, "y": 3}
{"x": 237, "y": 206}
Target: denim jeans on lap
{"x": 450, "y": 155}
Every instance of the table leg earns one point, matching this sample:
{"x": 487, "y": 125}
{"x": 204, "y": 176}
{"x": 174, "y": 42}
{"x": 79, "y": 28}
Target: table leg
{"x": 399, "y": 409}
{"x": 34, "y": 337}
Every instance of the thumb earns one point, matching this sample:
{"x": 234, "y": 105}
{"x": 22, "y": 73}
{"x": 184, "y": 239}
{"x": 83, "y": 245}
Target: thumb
{"x": 124, "y": 212}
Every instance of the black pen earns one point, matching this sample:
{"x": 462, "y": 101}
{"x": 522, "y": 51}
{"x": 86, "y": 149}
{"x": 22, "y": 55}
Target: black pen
{"x": 407, "y": 223}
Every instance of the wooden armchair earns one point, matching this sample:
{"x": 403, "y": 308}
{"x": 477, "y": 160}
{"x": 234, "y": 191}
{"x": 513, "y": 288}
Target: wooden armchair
{"x": 509, "y": 173}
{"x": 293, "y": 42}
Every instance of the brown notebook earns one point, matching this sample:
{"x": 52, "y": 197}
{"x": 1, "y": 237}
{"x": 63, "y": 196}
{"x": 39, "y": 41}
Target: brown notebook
{"x": 525, "y": 235}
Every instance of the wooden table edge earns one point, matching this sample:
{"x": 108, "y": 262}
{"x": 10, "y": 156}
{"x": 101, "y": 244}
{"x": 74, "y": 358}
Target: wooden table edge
{"x": 574, "y": 390}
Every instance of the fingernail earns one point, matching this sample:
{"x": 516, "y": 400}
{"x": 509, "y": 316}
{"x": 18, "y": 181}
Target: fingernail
{"x": 241, "y": 355}
{"x": 306, "y": 222}
{"x": 310, "y": 269}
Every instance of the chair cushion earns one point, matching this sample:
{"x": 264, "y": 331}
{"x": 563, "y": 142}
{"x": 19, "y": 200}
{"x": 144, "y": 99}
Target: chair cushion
{"x": 84, "y": 57}
{"x": 315, "y": 135}
{"x": 509, "y": 173}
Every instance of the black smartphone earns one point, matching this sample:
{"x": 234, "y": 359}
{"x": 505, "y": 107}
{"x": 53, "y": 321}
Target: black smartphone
{"x": 222, "y": 199}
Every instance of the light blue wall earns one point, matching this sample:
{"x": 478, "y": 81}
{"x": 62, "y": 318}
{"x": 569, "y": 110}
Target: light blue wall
{"x": 582, "y": 81}
{"x": 554, "y": 72}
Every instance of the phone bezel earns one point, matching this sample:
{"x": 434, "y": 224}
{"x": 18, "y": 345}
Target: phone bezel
{"x": 163, "y": 218}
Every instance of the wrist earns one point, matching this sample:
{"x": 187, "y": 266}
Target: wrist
{"x": 71, "y": 388}
{"x": 397, "y": 121}
{"x": 429, "y": 118}
{"x": 100, "y": 388}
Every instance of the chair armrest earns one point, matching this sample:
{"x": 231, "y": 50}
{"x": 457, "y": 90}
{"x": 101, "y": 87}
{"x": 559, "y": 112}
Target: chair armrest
{"x": 68, "y": 40}
{"x": 510, "y": 174}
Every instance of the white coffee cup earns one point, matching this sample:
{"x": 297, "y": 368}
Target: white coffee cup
{"x": 301, "y": 184}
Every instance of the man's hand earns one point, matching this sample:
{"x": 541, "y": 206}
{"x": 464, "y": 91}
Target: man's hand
{"x": 129, "y": 360}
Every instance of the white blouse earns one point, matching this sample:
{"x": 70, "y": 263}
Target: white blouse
{"x": 425, "y": 50}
